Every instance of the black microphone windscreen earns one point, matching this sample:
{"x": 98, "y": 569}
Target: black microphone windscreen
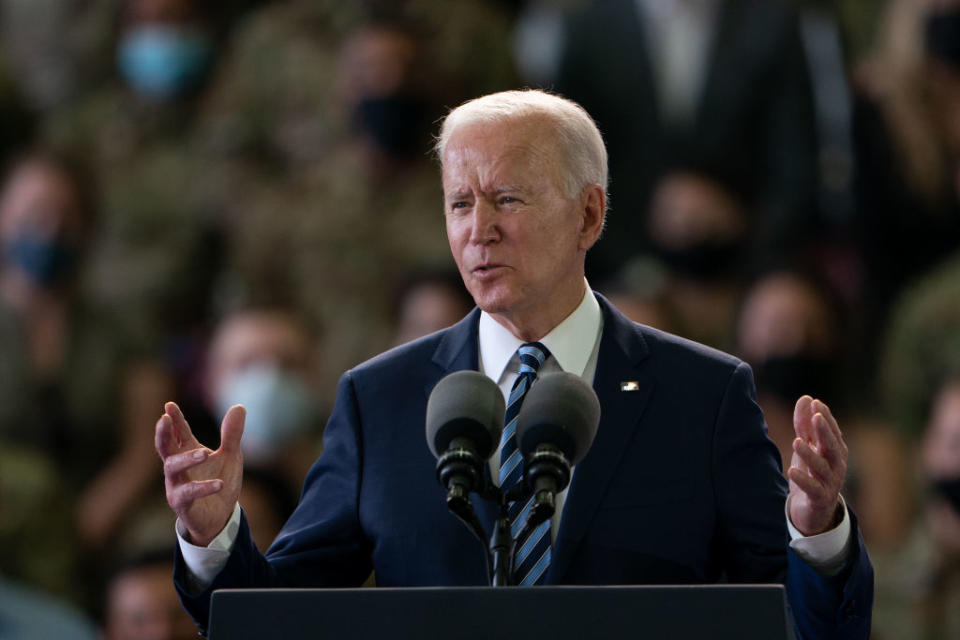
{"x": 465, "y": 404}
{"x": 560, "y": 409}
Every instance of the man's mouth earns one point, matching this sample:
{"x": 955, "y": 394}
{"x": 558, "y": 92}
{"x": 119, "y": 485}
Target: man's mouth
{"x": 487, "y": 269}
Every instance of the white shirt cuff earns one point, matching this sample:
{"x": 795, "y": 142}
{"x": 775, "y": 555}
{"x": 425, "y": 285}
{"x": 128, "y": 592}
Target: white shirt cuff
{"x": 826, "y": 552}
{"x": 204, "y": 563}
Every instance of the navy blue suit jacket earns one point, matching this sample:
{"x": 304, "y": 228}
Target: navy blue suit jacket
{"x": 681, "y": 485}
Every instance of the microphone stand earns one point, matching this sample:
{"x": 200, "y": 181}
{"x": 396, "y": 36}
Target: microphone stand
{"x": 548, "y": 472}
{"x": 502, "y": 545}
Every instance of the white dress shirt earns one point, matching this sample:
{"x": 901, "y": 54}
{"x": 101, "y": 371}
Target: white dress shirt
{"x": 574, "y": 345}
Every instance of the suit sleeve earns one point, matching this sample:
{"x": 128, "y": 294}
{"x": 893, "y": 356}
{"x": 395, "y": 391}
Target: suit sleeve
{"x": 752, "y": 532}
{"x": 323, "y": 543}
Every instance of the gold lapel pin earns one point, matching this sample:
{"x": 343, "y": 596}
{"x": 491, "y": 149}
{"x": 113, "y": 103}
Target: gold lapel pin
{"x": 630, "y": 385}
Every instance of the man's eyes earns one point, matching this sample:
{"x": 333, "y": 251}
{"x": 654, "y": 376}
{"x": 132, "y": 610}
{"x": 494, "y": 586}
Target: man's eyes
{"x": 466, "y": 204}
{"x": 508, "y": 200}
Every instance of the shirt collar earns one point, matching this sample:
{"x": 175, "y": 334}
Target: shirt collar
{"x": 567, "y": 342}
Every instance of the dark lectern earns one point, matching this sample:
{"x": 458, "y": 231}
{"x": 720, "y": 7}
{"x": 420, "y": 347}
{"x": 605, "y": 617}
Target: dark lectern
{"x": 721, "y": 612}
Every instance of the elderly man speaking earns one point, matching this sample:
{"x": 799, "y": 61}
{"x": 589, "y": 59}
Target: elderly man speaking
{"x": 681, "y": 484}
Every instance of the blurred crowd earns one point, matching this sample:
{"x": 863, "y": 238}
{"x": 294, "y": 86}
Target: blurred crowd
{"x": 226, "y": 202}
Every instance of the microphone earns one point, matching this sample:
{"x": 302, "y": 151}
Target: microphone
{"x": 555, "y": 428}
{"x": 464, "y": 421}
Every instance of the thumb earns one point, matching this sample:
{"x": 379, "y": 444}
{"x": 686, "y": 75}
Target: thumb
{"x": 803, "y": 417}
{"x": 231, "y": 429}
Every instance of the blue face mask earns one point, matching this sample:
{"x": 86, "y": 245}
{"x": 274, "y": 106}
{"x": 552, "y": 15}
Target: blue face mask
{"x": 279, "y": 408}
{"x": 47, "y": 262}
{"x": 161, "y": 61}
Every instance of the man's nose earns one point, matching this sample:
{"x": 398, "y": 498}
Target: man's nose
{"x": 484, "y": 229}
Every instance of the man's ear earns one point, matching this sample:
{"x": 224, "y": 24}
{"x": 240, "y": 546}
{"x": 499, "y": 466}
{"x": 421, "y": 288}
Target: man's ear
{"x": 593, "y": 210}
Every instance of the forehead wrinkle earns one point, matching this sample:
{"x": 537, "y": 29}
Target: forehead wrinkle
{"x": 473, "y": 167}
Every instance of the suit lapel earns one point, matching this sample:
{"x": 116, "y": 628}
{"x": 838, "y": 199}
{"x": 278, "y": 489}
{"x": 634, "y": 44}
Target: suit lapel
{"x": 622, "y": 349}
{"x": 459, "y": 350}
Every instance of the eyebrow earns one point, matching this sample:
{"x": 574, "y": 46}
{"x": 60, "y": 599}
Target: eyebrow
{"x": 507, "y": 188}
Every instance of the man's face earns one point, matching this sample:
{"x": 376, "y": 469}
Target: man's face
{"x": 143, "y": 605}
{"x": 257, "y": 338}
{"x": 39, "y": 201}
{"x": 940, "y": 460}
{"x": 518, "y": 240}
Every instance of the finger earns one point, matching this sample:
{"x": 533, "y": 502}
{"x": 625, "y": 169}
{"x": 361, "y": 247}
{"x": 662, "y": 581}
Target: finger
{"x": 807, "y": 483}
{"x": 231, "y": 429}
{"x": 821, "y": 407}
{"x": 164, "y": 441}
{"x": 802, "y": 415}
{"x": 182, "y": 496}
{"x": 815, "y": 464}
{"x": 181, "y": 429}
{"x": 172, "y": 465}
{"x": 827, "y": 444}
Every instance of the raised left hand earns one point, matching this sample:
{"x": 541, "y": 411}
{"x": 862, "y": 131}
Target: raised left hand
{"x": 817, "y": 469}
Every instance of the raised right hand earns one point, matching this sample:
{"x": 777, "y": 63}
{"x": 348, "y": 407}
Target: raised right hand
{"x": 202, "y": 485}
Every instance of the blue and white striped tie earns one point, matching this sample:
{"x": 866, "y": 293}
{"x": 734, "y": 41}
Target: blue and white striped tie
{"x": 532, "y": 556}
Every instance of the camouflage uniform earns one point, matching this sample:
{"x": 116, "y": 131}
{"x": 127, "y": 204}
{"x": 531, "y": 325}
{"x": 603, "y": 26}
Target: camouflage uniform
{"x": 155, "y": 207}
{"x": 923, "y": 344}
{"x": 337, "y": 244}
{"x": 307, "y": 223}
{"x": 71, "y": 417}
{"x": 37, "y": 544}
{"x": 916, "y": 598}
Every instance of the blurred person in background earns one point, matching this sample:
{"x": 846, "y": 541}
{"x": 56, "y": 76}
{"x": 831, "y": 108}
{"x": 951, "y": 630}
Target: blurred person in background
{"x": 914, "y": 82}
{"x": 141, "y": 604}
{"x": 60, "y": 50}
{"x": 640, "y": 292}
{"x": 38, "y": 548}
{"x": 73, "y": 388}
{"x": 159, "y": 246}
{"x": 428, "y": 301}
{"x": 707, "y": 82}
{"x": 139, "y": 599}
{"x": 27, "y": 614}
{"x": 788, "y": 332}
{"x": 335, "y": 236}
{"x": 59, "y": 357}
{"x": 56, "y": 49}
{"x": 918, "y": 585}
{"x": 266, "y": 360}
{"x": 922, "y": 345}
{"x": 315, "y": 135}
{"x": 908, "y": 150}
{"x": 274, "y": 105}
{"x": 698, "y": 226}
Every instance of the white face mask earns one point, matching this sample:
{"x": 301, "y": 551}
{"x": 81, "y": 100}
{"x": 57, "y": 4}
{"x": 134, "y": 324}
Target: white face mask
{"x": 279, "y": 408}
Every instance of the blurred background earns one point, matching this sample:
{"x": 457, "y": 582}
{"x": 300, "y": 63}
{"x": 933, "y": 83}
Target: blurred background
{"x": 223, "y": 201}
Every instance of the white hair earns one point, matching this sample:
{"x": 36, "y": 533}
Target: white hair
{"x": 584, "y": 156}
